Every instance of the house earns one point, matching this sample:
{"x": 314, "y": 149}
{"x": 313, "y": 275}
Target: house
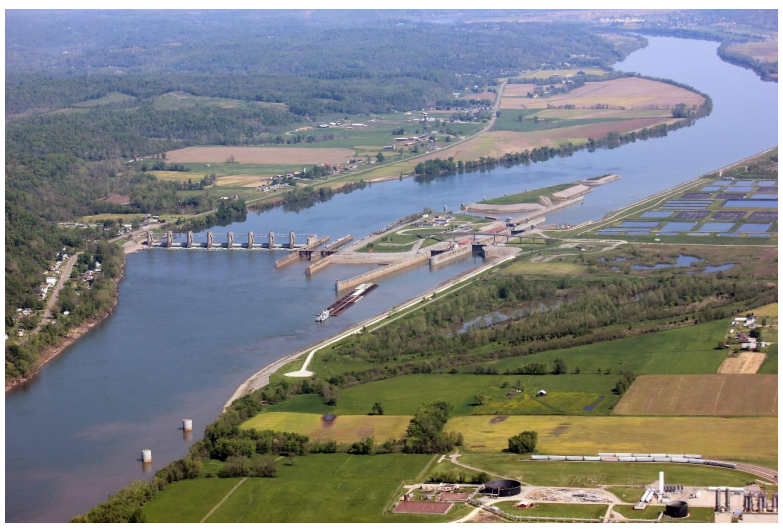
{"x": 51, "y": 281}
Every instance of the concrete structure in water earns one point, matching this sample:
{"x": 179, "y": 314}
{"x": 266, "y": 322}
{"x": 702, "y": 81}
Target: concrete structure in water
{"x": 187, "y": 425}
{"x": 311, "y": 242}
{"x": 146, "y": 456}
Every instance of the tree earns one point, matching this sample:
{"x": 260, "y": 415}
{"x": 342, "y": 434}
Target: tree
{"x": 377, "y": 408}
{"x": 560, "y": 367}
{"x": 523, "y": 443}
{"x": 230, "y": 159}
{"x": 380, "y": 157}
{"x": 755, "y": 333}
{"x": 478, "y": 400}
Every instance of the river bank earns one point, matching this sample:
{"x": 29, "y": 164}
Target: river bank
{"x": 260, "y": 379}
{"x": 51, "y": 352}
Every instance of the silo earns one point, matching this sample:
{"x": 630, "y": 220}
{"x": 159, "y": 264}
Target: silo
{"x": 677, "y": 509}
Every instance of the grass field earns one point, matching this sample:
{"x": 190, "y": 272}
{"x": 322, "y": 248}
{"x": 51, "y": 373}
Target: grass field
{"x": 111, "y": 97}
{"x": 554, "y": 509}
{"x": 527, "y": 197}
{"x": 333, "y": 487}
{"x": 404, "y": 395}
{"x": 344, "y": 429}
{"x": 628, "y": 494}
{"x": 695, "y": 514}
{"x": 724, "y": 395}
{"x": 689, "y": 350}
{"x": 527, "y": 268}
{"x": 595, "y": 474}
{"x": 546, "y": 74}
{"x": 711, "y": 436}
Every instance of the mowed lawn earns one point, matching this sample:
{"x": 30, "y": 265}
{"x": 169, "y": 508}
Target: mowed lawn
{"x": 188, "y": 500}
{"x": 343, "y": 429}
{"x": 724, "y": 395}
{"x": 594, "y": 474}
{"x": 552, "y": 268}
{"x": 715, "y": 437}
{"x": 689, "y": 350}
{"x": 554, "y": 509}
{"x": 404, "y": 395}
{"x": 333, "y": 487}
{"x": 696, "y": 514}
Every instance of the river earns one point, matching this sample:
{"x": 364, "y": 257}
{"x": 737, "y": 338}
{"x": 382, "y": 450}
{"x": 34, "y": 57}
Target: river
{"x": 191, "y": 326}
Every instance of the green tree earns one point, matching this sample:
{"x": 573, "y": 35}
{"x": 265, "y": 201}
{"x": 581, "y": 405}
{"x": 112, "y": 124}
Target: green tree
{"x": 523, "y": 443}
{"x": 377, "y": 408}
{"x": 560, "y": 367}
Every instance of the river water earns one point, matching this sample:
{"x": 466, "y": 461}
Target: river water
{"x": 191, "y": 326}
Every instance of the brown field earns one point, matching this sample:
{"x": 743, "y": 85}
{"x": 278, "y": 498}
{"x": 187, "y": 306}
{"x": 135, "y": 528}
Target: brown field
{"x": 761, "y": 51}
{"x": 743, "y": 364}
{"x": 627, "y": 92}
{"x": 720, "y": 395}
{"x": 422, "y": 507}
{"x": 499, "y": 142}
{"x": 260, "y": 155}
{"x": 592, "y": 113}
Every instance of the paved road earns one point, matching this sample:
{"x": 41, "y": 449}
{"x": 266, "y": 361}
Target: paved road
{"x": 65, "y": 273}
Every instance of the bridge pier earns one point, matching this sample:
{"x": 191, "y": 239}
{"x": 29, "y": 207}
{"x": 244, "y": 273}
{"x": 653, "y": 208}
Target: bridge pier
{"x": 190, "y": 240}
{"x": 149, "y": 239}
{"x": 210, "y": 240}
{"x": 311, "y": 239}
{"x": 250, "y": 240}
{"x": 169, "y": 239}
{"x": 230, "y": 241}
{"x": 291, "y": 240}
{"x": 271, "y": 240}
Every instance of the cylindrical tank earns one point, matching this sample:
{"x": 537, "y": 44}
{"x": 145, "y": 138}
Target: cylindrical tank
{"x": 187, "y": 425}
{"x": 503, "y": 487}
{"x": 146, "y": 456}
{"x": 677, "y": 509}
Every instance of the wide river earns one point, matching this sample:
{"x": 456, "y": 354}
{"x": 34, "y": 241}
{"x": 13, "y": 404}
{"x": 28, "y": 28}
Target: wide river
{"x": 190, "y": 327}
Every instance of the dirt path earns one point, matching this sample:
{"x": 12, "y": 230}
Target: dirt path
{"x": 216, "y": 507}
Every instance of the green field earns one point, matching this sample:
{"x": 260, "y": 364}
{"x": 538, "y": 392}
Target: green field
{"x": 404, "y": 395}
{"x": 554, "y": 509}
{"x": 509, "y": 120}
{"x": 333, "y": 487}
{"x": 111, "y": 97}
{"x": 551, "y": 268}
{"x": 695, "y": 514}
{"x": 628, "y": 494}
{"x": 526, "y": 197}
{"x": 345, "y": 428}
{"x": 546, "y": 74}
{"x": 711, "y": 436}
{"x": 594, "y": 474}
{"x": 689, "y": 350}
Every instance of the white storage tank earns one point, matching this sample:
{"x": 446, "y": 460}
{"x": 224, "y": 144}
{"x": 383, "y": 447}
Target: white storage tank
{"x": 679, "y": 460}
{"x": 692, "y": 456}
{"x": 574, "y": 458}
{"x": 627, "y": 459}
{"x": 662, "y": 459}
{"x": 539, "y": 458}
{"x": 187, "y": 425}
{"x": 557, "y": 458}
{"x": 623, "y": 455}
{"x": 644, "y": 459}
{"x": 641, "y": 455}
{"x": 592, "y": 458}
{"x": 146, "y": 456}
{"x": 606, "y": 454}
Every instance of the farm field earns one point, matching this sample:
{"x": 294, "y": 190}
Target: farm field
{"x": 344, "y": 428}
{"x": 528, "y": 268}
{"x": 742, "y": 364}
{"x": 404, "y": 395}
{"x": 723, "y": 395}
{"x": 260, "y": 155}
{"x": 111, "y": 97}
{"x": 711, "y": 436}
{"x": 334, "y": 487}
{"x": 546, "y": 74}
{"x": 595, "y": 474}
{"x": 688, "y": 350}
{"x": 761, "y": 51}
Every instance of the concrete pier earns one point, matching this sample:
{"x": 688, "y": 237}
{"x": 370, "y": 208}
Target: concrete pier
{"x": 271, "y": 243}
{"x": 250, "y": 240}
{"x": 367, "y": 277}
{"x": 294, "y": 256}
{"x": 230, "y": 240}
{"x": 210, "y": 240}
{"x": 189, "y": 244}
{"x": 169, "y": 239}
{"x": 149, "y": 239}
{"x": 450, "y": 255}
{"x": 318, "y": 265}
{"x": 291, "y": 240}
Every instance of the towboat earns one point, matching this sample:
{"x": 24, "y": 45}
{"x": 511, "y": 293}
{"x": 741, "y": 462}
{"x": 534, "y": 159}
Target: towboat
{"x": 322, "y": 317}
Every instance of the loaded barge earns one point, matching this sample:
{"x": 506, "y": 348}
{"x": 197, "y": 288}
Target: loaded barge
{"x": 342, "y": 304}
